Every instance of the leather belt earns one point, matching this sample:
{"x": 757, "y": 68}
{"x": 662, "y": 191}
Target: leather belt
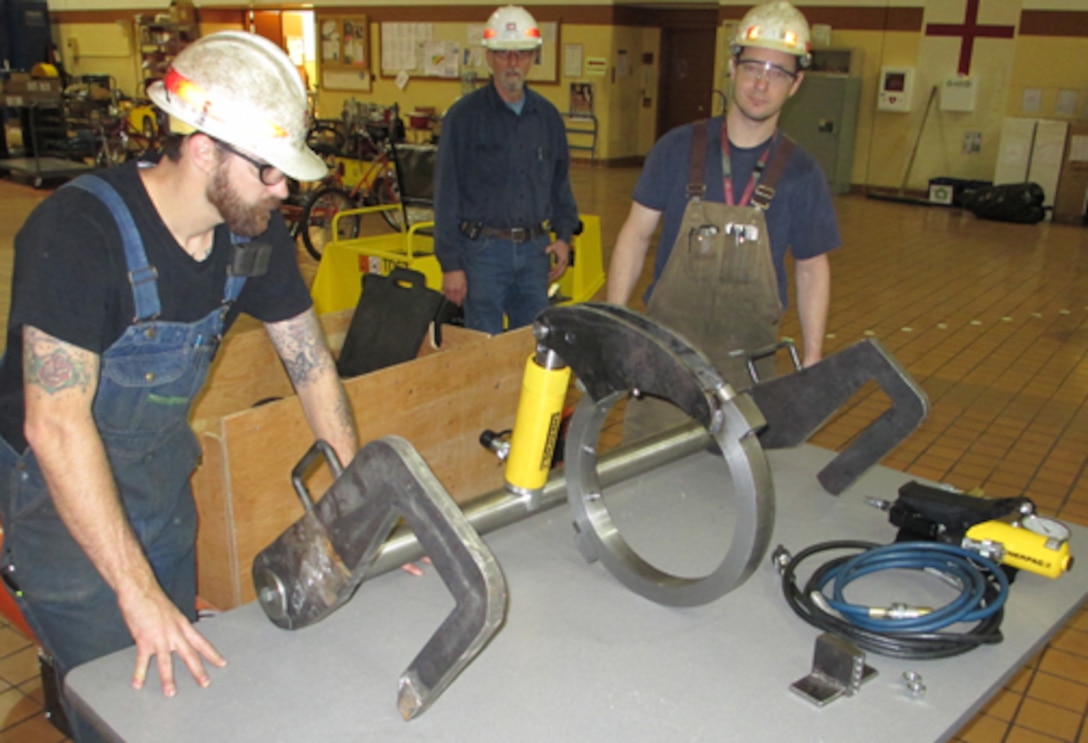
{"x": 513, "y": 234}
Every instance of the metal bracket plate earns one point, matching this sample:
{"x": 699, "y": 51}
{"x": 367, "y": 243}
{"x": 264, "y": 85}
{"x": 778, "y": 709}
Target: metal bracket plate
{"x": 799, "y": 404}
{"x": 318, "y": 562}
{"x": 838, "y": 669}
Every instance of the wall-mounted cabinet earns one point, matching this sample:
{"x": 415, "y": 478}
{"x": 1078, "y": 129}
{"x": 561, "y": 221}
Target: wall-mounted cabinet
{"x": 823, "y": 117}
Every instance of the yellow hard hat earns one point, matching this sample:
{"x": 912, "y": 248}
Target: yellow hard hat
{"x": 44, "y": 69}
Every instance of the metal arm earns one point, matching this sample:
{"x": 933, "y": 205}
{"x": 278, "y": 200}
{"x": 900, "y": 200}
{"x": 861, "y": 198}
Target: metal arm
{"x": 317, "y": 563}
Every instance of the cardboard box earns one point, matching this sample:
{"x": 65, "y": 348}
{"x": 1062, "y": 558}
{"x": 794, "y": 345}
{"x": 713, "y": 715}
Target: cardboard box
{"x": 16, "y": 82}
{"x": 44, "y": 87}
{"x": 26, "y": 88}
{"x": 1071, "y": 200}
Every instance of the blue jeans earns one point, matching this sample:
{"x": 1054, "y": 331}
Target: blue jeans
{"x": 505, "y": 278}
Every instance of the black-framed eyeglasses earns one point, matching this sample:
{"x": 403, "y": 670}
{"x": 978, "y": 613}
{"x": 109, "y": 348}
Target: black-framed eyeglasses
{"x": 268, "y": 174}
{"x": 753, "y": 69}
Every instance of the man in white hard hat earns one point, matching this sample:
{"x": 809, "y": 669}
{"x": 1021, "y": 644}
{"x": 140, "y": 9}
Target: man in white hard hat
{"x": 503, "y": 186}
{"x": 734, "y": 196}
{"x": 124, "y": 284}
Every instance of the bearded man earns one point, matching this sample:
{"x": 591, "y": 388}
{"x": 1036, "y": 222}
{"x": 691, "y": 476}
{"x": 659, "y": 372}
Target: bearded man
{"x": 504, "y": 209}
{"x": 124, "y": 283}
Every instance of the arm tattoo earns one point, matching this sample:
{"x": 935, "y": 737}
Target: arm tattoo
{"x": 50, "y": 364}
{"x": 300, "y": 345}
{"x": 344, "y": 414}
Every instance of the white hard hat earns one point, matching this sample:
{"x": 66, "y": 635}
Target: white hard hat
{"x": 511, "y": 27}
{"x": 775, "y": 25}
{"x": 242, "y": 89}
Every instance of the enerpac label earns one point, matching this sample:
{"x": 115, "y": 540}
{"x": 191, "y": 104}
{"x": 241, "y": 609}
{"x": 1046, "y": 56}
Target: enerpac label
{"x": 553, "y": 436}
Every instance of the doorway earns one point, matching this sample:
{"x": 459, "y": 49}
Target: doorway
{"x": 293, "y": 31}
{"x": 688, "y": 47}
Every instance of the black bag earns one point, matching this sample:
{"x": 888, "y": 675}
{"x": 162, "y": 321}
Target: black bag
{"x": 391, "y": 321}
{"x": 1010, "y": 202}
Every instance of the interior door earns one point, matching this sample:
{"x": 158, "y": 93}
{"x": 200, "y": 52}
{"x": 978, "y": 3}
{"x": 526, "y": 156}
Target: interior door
{"x": 269, "y": 24}
{"x": 687, "y": 76}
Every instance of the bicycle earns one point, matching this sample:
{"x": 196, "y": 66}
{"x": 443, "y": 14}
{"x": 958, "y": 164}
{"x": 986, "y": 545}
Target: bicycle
{"x": 118, "y": 137}
{"x": 326, "y": 139}
{"x": 376, "y": 185}
{"x": 119, "y": 140}
{"x": 364, "y": 174}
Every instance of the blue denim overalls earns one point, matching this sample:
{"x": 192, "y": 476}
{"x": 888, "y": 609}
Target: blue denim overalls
{"x": 149, "y": 378}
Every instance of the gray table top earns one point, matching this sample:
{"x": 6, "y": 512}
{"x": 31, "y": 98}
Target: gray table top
{"x": 580, "y": 657}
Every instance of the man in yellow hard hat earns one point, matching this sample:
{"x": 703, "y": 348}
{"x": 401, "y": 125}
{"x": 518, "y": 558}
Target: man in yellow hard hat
{"x": 503, "y": 186}
{"x": 124, "y": 284}
{"x": 734, "y": 196}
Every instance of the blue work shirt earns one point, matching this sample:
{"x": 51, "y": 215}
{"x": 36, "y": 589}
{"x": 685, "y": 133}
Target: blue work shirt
{"x": 501, "y": 169}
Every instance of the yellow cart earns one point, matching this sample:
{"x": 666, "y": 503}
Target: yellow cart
{"x": 338, "y": 282}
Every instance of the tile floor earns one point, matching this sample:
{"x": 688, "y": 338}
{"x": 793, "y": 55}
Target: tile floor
{"x": 991, "y": 319}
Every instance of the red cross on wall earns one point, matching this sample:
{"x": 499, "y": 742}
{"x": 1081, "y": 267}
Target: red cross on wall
{"x": 968, "y": 31}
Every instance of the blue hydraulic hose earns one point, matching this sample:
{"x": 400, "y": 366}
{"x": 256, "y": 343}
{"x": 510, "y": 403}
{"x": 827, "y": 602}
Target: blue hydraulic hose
{"x": 962, "y": 567}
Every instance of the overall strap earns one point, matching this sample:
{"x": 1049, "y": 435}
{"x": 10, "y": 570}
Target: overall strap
{"x": 766, "y": 189}
{"x": 234, "y": 283}
{"x": 141, "y": 274}
{"x": 696, "y": 182}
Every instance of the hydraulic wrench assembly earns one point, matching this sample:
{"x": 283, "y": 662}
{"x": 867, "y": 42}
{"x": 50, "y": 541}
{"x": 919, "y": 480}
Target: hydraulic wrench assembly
{"x": 317, "y": 563}
{"x": 615, "y": 352}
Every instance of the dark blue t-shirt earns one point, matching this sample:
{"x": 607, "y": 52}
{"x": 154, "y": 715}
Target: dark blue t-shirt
{"x": 801, "y": 218}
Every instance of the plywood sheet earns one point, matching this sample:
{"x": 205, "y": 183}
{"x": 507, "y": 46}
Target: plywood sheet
{"x": 440, "y": 403}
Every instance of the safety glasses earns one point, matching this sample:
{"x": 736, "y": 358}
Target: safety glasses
{"x": 751, "y": 69}
{"x": 268, "y": 174}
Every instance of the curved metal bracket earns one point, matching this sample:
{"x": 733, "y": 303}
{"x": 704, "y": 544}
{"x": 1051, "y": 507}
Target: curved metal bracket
{"x": 318, "y": 562}
{"x": 615, "y": 351}
{"x": 797, "y": 405}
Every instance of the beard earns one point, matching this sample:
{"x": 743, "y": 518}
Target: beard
{"x": 513, "y": 81}
{"x": 246, "y": 220}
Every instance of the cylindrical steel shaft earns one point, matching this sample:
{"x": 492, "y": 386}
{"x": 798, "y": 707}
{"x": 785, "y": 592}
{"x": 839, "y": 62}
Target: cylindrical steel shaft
{"x": 500, "y": 508}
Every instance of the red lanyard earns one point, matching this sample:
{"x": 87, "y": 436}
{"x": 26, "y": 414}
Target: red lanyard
{"x": 727, "y": 171}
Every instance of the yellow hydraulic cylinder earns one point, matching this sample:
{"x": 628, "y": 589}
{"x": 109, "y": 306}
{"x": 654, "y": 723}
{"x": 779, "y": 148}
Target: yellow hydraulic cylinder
{"x": 1025, "y": 549}
{"x": 536, "y": 427}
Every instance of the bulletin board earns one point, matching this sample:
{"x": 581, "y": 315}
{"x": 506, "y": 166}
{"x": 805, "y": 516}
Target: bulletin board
{"x": 445, "y": 50}
{"x": 343, "y": 51}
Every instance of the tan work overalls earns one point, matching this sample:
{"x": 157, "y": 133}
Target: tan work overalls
{"x": 719, "y": 289}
